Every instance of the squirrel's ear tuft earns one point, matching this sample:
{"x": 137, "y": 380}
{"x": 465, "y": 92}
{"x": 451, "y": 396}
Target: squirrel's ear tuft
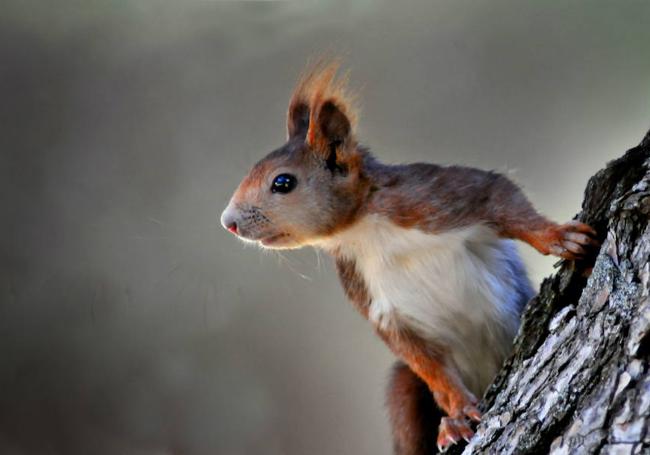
{"x": 321, "y": 109}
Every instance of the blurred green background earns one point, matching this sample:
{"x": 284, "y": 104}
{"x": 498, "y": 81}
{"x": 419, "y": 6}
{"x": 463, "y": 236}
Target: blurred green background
{"x": 131, "y": 323}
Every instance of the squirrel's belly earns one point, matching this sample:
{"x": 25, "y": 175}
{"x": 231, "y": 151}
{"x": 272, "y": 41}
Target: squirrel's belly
{"x": 461, "y": 289}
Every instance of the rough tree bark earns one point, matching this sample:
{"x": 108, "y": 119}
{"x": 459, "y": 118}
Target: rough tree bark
{"x": 579, "y": 377}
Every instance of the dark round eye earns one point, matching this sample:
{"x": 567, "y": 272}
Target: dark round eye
{"x": 283, "y": 183}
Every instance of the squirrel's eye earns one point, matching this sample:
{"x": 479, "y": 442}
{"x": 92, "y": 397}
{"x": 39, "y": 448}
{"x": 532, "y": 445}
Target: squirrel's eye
{"x": 283, "y": 183}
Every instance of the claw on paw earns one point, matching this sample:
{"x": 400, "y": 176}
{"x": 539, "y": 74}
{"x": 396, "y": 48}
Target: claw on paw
{"x": 451, "y": 431}
{"x": 571, "y": 241}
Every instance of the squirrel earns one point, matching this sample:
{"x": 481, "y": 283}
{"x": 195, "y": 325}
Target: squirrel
{"x": 425, "y": 252}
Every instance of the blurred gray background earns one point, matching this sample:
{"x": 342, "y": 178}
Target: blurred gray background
{"x": 131, "y": 323}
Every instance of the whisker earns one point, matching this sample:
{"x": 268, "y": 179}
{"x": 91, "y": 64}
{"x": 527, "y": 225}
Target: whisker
{"x": 155, "y": 220}
{"x": 290, "y": 266}
{"x": 318, "y": 263}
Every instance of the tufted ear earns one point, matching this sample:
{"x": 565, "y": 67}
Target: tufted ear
{"x": 322, "y": 112}
{"x": 297, "y": 119}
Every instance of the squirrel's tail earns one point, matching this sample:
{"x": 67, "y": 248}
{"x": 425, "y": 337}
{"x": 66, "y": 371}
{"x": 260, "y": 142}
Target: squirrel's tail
{"x": 413, "y": 414}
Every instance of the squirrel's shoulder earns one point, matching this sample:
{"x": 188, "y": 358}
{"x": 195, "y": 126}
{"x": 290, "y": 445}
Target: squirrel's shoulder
{"x": 431, "y": 196}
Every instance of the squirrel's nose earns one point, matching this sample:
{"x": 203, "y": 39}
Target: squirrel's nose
{"x": 229, "y": 221}
{"x": 232, "y": 227}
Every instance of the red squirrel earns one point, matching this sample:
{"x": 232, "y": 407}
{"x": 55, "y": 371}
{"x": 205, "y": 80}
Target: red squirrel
{"x": 425, "y": 253}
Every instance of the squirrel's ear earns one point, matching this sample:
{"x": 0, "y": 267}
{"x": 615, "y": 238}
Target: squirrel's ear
{"x": 329, "y": 126}
{"x": 297, "y": 119}
{"x": 333, "y": 123}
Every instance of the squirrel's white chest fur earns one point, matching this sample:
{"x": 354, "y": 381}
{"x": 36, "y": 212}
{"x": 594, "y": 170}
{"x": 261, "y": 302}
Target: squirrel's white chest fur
{"x": 457, "y": 288}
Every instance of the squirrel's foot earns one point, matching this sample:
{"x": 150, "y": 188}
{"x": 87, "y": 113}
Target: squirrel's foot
{"x": 451, "y": 431}
{"x": 456, "y": 426}
{"x": 570, "y": 241}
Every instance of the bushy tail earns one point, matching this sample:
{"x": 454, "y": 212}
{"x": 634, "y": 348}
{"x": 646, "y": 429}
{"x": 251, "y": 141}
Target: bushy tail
{"x": 413, "y": 414}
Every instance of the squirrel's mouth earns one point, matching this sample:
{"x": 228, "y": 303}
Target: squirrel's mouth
{"x": 274, "y": 239}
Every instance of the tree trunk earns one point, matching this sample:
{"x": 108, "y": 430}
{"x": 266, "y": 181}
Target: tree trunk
{"x": 579, "y": 377}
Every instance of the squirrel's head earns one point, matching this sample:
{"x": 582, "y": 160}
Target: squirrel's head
{"x": 312, "y": 186}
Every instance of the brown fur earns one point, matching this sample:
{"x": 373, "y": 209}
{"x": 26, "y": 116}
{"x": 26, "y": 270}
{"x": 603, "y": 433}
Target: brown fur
{"x": 412, "y": 411}
{"x": 437, "y": 198}
{"x": 353, "y": 285}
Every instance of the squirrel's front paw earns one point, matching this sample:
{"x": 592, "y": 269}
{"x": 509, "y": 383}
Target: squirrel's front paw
{"x": 451, "y": 431}
{"x": 569, "y": 241}
{"x": 462, "y": 409}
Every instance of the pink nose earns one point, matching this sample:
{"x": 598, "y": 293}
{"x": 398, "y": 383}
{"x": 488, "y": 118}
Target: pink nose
{"x": 229, "y": 219}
